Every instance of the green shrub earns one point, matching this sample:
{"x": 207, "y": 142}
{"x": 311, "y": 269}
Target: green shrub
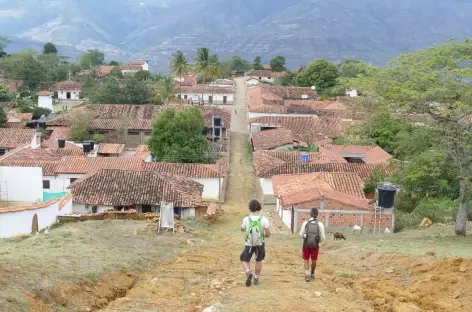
{"x": 405, "y": 220}
{"x": 405, "y": 202}
{"x": 436, "y": 209}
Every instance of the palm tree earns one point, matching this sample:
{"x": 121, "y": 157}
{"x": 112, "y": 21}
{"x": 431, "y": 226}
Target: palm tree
{"x": 202, "y": 62}
{"x": 214, "y": 69}
{"x": 179, "y": 66}
{"x": 165, "y": 90}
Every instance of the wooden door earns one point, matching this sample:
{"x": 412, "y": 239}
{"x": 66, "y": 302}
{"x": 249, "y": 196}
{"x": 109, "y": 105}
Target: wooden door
{"x": 34, "y": 226}
{"x": 210, "y": 99}
{"x": 224, "y": 99}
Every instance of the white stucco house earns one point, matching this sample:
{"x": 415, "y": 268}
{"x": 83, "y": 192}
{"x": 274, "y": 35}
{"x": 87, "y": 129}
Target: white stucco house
{"x": 264, "y": 75}
{"x": 45, "y": 100}
{"x": 24, "y": 213}
{"x": 352, "y": 93}
{"x": 68, "y": 90}
{"x": 144, "y": 64}
{"x": 203, "y": 94}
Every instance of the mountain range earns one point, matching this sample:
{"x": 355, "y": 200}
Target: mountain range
{"x": 300, "y": 30}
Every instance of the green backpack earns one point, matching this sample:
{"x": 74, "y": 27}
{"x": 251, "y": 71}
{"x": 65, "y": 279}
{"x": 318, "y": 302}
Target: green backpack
{"x": 255, "y": 232}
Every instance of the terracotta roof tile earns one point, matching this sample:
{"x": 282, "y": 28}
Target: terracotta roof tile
{"x": 45, "y": 93}
{"x": 205, "y": 89}
{"x": 63, "y": 201}
{"x": 28, "y": 207}
{"x": 12, "y": 138}
{"x": 269, "y": 139}
{"x": 68, "y": 86}
{"x": 131, "y": 67}
{"x": 264, "y": 73}
{"x": 83, "y": 165}
{"x": 347, "y": 183}
{"x": 142, "y": 151}
{"x": 305, "y": 129}
{"x": 60, "y": 133}
{"x": 48, "y": 166}
{"x": 369, "y": 154}
{"x": 186, "y": 170}
{"x": 113, "y": 124}
{"x": 122, "y": 188}
{"x": 109, "y": 148}
{"x": 188, "y": 80}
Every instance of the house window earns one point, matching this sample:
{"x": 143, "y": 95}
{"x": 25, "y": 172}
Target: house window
{"x": 72, "y": 180}
{"x": 133, "y": 132}
{"x": 94, "y": 209}
{"x": 185, "y": 96}
{"x": 146, "y": 208}
{"x": 46, "y": 184}
{"x": 260, "y": 78}
{"x": 3, "y": 151}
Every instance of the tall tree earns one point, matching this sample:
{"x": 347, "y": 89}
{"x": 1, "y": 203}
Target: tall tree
{"x": 202, "y": 62}
{"x": 164, "y": 90}
{"x": 179, "y": 66}
{"x": 5, "y": 95}
{"x": 277, "y": 64}
{"x": 4, "y": 41}
{"x": 113, "y": 63}
{"x": 436, "y": 81}
{"x": 257, "y": 64}
{"x": 177, "y": 136}
{"x": 116, "y": 73}
{"x": 3, "y": 117}
{"x": 93, "y": 57}
{"x": 319, "y": 73}
{"x": 49, "y": 48}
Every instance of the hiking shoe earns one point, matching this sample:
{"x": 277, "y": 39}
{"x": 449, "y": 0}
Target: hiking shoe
{"x": 256, "y": 280}
{"x": 312, "y": 277}
{"x": 307, "y": 277}
{"x": 249, "y": 279}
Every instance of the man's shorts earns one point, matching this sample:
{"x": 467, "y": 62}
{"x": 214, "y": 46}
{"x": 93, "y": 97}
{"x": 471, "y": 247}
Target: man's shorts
{"x": 248, "y": 251}
{"x": 310, "y": 253}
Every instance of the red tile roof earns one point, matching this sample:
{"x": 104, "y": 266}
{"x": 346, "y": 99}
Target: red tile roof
{"x": 131, "y": 67}
{"x": 188, "y": 80}
{"x": 269, "y": 139}
{"x": 369, "y": 154}
{"x": 83, "y": 165}
{"x": 187, "y": 170}
{"x": 123, "y": 188}
{"x": 60, "y": 133}
{"x": 68, "y": 86}
{"x": 264, "y": 73}
{"x": 28, "y": 207}
{"x": 286, "y": 186}
{"x": 48, "y": 166}
{"x": 113, "y": 124}
{"x": 45, "y": 93}
{"x": 12, "y": 138}
{"x": 204, "y": 89}
{"x": 305, "y": 129}
{"x": 109, "y": 148}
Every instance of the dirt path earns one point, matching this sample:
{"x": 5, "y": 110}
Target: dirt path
{"x": 209, "y": 272}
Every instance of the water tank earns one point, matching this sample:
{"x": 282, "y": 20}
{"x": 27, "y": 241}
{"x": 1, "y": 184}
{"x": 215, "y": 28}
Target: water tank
{"x": 305, "y": 157}
{"x": 86, "y": 147}
{"x": 61, "y": 143}
{"x": 386, "y": 196}
{"x": 216, "y": 121}
{"x": 92, "y": 145}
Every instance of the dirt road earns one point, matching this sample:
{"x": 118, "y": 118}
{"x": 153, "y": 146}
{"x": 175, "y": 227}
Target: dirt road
{"x": 209, "y": 272}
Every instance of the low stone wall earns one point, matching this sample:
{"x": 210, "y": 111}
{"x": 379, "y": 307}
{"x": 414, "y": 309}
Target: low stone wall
{"x": 109, "y": 215}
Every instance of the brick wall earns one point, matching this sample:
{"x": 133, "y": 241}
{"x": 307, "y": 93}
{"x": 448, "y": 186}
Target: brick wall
{"x": 339, "y": 221}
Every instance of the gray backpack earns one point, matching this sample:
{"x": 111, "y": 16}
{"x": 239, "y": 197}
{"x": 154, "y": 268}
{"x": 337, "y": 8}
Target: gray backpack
{"x": 312, "y": 234}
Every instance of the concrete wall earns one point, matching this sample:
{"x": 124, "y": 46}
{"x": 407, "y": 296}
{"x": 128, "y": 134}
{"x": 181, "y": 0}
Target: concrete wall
{"x": 20, "y": 222}
{"x": 46, "y": 102}
{"x": 210, "y": 188}
{"x": 217, "y": 97}
{"x": 81, "y": 208}
{"x": 23, "y": 184}
{"x": 61, "y": 182}
{"x": 66, "y": 207}
{"x": 74, "y": 95}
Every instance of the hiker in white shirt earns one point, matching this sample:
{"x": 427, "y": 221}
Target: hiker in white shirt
{"x": 257, "y": 229}
{"x": 312, "y": 232}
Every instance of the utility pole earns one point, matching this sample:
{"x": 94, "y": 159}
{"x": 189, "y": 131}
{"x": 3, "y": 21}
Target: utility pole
{"x": 219, "y": 183}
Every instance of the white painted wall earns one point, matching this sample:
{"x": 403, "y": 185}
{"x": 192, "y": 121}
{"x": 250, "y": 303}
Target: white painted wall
{"x": 252, "y": 82}
{"x": 210, "y": 187}
{"x": 145, "y": 66}
{"x": 20, "y": 222}
{"x": 24, "y": 184}
{"x": 67, "y": 209}
{"x": 217, "y": 97}
{"x": 62, "y": 182}
{"x": 352, "y": 93}
{"x": 129, "y": 71}
{"x": 252, "y": 115}
{"x": 36, "y": 140}
{"x": 74, "y": 95}
{"x": 188, "y": 213}
{"x": 266, "y": 185}
{"x": 81, "y": 208}
{"x": 45, "y": 101}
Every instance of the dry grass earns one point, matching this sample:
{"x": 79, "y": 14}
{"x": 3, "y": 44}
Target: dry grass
{"x": 77, "y": 250}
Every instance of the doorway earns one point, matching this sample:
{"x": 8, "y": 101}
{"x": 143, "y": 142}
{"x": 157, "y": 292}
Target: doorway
{"x": 68, "y": 95}
{"x": 225, "y": 99}
{"x": 34, "y": 226}
{"x": 210, "y": 99}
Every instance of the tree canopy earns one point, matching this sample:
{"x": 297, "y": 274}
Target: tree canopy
{"x": 277, "y": 64}
{"x": 177, "y": 136}
{"x": 49, "y": 48}
{"x": 257, "y": 64}
{"x": 320, "y": 73}
{"x": 3, "y": 117}
{"x": 128, "y": 90}
{"x": 91, "y": 58}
